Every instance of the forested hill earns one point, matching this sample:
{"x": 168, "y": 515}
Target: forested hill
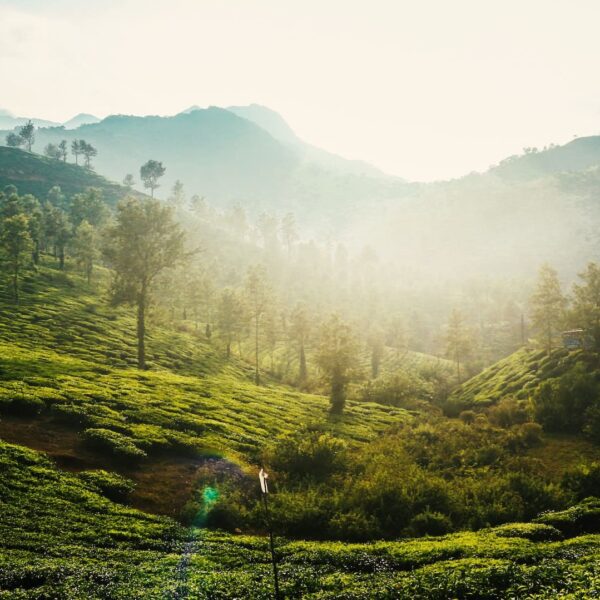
{"x": 577, "y": 155}
{"x": 35, "y": 174}
{"x": 228, "y": 159}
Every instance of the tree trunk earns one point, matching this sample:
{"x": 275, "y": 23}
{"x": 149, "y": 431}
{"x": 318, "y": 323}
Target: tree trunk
{"x": 228, "y": 347}
{"x": 141, "y": 330}
{"x": 61, "y": 258}
{"x": 36, "y": 253}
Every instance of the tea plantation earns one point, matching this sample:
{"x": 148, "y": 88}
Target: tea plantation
{"x": 68, "y": 387}
{"x": 62, "y": 538}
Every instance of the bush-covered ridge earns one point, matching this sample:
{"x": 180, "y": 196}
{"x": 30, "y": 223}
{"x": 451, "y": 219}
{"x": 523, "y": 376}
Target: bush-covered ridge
{"x": 61, "y": 539}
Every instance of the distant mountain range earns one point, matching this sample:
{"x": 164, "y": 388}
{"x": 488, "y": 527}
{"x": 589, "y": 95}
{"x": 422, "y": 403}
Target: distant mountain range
{"x": 245, "y": 154}
{"x": 10, "y": 121}
{"x": 535, "y": 207}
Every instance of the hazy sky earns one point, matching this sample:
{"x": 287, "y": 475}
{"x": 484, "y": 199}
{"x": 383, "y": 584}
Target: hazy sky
{"x": 425, "y": 90}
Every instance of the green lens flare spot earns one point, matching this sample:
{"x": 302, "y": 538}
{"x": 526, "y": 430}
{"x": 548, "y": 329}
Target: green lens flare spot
{"x": 209, "y": 496}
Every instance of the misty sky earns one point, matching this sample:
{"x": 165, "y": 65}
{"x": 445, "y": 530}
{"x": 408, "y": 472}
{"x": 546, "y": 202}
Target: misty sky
{"x": 424, "y": 90}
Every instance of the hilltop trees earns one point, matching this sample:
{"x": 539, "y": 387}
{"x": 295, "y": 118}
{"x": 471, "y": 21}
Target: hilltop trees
{"x": 24, "y": 136}
{"x": 76, "y": 150}
{"x": 52, "y": 151}
{"x": 62, "y": 149}
{"x": 150, "y": 173}
{"x": 14, "y": 140}
{"x": 129, "y": 181}
{"x": 143, "y": 242}
{"x": 547, "y": 306}
{"x": 338, "y": 358}
{"x": 88, "y": 152}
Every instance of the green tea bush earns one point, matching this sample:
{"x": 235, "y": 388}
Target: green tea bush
{"x": 113, "y": 486}
{"x": 116, "y": 443}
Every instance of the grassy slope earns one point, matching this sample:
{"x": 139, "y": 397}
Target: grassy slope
{"x": 517, "y": 376}
{"x": 67, "y": 368}
{"x": 62, "y": 539}
{"x": 35, "y": 174}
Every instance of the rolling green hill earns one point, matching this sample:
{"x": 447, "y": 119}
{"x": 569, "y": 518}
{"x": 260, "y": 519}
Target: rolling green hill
{"x": 66, "y": 367}
{"x": 516, "y": 376}
{"x": 36, "y": 174}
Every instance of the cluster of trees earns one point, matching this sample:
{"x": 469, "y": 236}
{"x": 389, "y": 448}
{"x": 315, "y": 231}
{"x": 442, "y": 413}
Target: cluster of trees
{"x": 56, "y": 226}
{"x": 552, "y": 311}
{"x": 23, "y": 136}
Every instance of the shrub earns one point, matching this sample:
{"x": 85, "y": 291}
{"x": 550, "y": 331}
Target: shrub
{"x": 583, "y": 481}
{"x": 354, "y": 526}
{"x": 113, "y": 486}
{"x": 429, "y": 523}
{"x": 117, "y": 443}
{"x": 308, "y": 454}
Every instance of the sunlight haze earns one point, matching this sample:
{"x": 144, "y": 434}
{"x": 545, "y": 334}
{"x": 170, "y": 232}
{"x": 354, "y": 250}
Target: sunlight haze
{"x": 423, "y": 90}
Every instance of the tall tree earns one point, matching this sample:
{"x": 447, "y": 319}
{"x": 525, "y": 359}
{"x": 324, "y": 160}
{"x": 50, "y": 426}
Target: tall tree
{"x": 586, "y": 303}
{"x": 88, "y": 206}
{"x": 16, "y": 246}
{"x": 62, "y": 147}
{"x": 177, "y": 197}
{"x": 144, "y": 241}
{"x": 458, "y": 340}
{"x": 27, "y": 133}
{"x": 338, "y": 358}
{"x": 230, "y": 317}
{"x": 299, "y": 330}
{"x": 63, "y": 232}
{"x": 548, "y": 306}
{"x": 88, "y": 152}
{"x": 52, "y": 151}
{"x": 76, "y": 150}
{"x": 258, "y": 296}
{"x": 85, "y": 248}
{"x": 150, "y": 173}
{"x": 129, "y": 181}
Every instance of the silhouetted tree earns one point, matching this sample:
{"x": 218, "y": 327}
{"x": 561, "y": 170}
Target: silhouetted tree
{"x": 150, "y": 173}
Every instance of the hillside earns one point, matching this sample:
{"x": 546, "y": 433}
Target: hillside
{"x": 228, "y": 159}
{"x": 35, "y": 174}
{"x": 516, "y": 376}
{"x": 68, "y": 386}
